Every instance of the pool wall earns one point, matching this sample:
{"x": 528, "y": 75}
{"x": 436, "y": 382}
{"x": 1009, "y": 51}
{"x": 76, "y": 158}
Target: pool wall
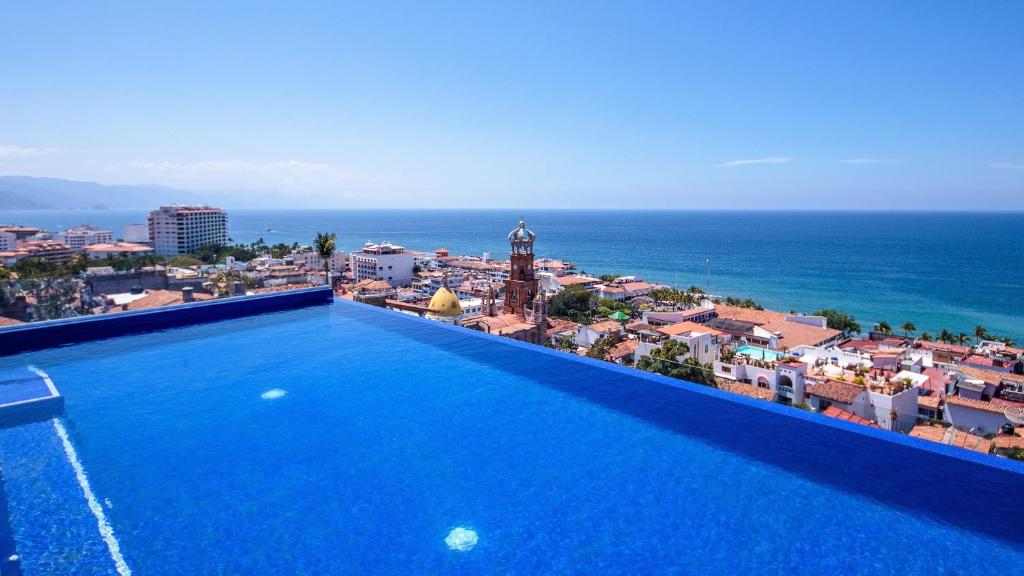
{"x": 52, "y": 333}
{"x": 904, "y": 472}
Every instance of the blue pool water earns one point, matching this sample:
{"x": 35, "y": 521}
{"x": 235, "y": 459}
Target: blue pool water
{"x": 758, "y": 353}
{"x": 342, "y": 439}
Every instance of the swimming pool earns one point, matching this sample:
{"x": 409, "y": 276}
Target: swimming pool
{"x": 344, "y": 439}
{"x": 759, "y": 353}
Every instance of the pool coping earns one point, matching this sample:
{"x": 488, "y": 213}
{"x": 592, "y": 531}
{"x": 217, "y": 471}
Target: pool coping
{"x": 986, "y": 460}
{"x": 47, "y": 334}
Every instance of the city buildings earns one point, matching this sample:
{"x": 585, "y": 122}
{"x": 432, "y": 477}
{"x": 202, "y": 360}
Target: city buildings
{"x": 383, "y": 261}
{"x": 177, "y": 229}
{"x": 138, "y": 233}
{"x": 81, "y": 236}
{"x": 106, "y": 250}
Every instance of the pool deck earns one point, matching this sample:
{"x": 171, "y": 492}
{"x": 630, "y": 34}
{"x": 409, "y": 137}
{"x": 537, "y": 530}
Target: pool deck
{"x": 27, "y": 395}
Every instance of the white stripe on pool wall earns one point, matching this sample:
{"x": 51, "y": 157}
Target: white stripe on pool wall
{"x": 46, "y": 380}
{"x": 106, "y": 532}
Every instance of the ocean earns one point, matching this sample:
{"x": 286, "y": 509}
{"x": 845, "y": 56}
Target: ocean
{"x": 939, "y": 270}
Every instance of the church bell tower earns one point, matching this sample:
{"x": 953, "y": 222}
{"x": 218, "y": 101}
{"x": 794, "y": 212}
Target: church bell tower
{"x": 521, "y": 286}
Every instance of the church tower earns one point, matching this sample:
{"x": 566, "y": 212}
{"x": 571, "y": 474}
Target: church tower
{"x": 521, "y": 286}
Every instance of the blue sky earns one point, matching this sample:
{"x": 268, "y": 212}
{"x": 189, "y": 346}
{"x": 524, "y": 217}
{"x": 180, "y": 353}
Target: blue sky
{"x": 861, "y": 105}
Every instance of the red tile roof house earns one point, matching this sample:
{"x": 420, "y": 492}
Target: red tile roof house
{"x": 587, "y": 334}
{"x": 847, "y": 396}
{"x": 978, "y": 416}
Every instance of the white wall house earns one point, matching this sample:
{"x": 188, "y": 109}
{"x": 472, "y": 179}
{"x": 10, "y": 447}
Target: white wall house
{"x": 786, "y": 379}
{"x": 384, "y": 261}
{"x": 975, "y": 416}
{"x": 586, "y": 335}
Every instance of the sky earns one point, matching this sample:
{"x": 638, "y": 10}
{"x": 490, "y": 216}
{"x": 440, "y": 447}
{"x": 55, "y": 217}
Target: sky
{"x": 850, "y": 105}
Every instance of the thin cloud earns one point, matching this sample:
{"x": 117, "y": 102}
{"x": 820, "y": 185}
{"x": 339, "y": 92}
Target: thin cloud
{"x": 232, "y": 166}
{"x": 872, "y": 160}
{"x": 1007, "y": 166}
{"x": 14, "y": 151}
{"x": 770, "y": 160}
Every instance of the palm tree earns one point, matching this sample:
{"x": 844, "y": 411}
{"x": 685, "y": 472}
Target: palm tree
{"x": 908, "y": 328}
{"x": 962, "y": 338}
{"x": 926, "y": 337}
{"x": 884, "y": 327}
{"x": 980, "y": 333}
{"x": 945, "y": 336}
{"x": 324, "y": 244}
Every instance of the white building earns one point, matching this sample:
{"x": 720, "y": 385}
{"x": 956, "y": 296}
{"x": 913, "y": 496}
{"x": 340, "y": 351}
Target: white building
{"x": 384, "y": 261}
{"x": 311, "y": 259}
{"x": 8, "y": 241}
{"x": 177, "y": 230}
{"x": 786, "y": 379}
{"x": 587, "y": 334}
{"x": 136, "y": 233}
{"x": 84, "y": 235}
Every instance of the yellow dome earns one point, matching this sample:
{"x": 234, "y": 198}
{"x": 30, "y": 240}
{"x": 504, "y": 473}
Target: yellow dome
{"x": 444, "y": 304}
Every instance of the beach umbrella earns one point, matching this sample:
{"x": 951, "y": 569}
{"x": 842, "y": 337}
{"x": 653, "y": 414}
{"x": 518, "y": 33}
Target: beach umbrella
{"x": 620, "y": 316}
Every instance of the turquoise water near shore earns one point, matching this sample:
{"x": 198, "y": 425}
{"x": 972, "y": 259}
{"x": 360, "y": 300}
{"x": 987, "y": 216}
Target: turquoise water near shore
{"x": 935, "y": 269}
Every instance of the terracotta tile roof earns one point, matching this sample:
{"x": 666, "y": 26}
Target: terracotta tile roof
{"x": 836, "y": 390}
{"x": 636, "y": 286}
{"x": 796, "y": 334}
{"x": 158, "y": 298}
{"x": 570, "y": 280}
{"x": 1005, "y": 442}
{"x": 605, "y": 326}
{"x": 996, "y": 405}
{"x": 685, "y": 327}
{"x": 837, "y": 412}
{"x": 372, "y": 285}
{"x": 742, "y": 389}
{"x": 120, "y": 247}
{"x": 990, "y": 376}
{"x": 943, "y": 346}
{"x": 556, "y": 325}
{"x": 748, "y": 314}
{"x": 860, "y": 345}
{"x": 929, "y": 401}
{"x": 622, "y": 350}
{"x": 952, "y": 437}
{"x": 640, "y": 326}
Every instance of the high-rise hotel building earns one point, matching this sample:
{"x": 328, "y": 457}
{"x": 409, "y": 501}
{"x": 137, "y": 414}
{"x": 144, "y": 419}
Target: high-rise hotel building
{"x": 177, "y": 230}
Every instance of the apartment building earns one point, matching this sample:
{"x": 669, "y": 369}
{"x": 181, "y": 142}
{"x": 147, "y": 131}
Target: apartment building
{"x": 177, "y": 230}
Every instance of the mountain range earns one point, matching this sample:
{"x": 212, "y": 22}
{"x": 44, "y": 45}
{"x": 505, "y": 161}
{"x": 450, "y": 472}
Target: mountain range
{"x": 33, "y": 193}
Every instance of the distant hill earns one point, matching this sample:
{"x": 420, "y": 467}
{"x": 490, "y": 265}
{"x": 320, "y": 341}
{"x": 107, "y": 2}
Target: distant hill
{"x": 31, "y": 193}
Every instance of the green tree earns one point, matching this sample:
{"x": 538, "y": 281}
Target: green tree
{"x": 599, "y": 349}
{"x": 841, "y": 321}
{"x": 575, "y": 303}
{"x": 908, "y": 328}
{"x": 184, "y": 261}
{"x": 926, "y": 337}
{"x": 883, "y": 327}
{"x": 945, "y": 336}
{"x": 981, "y": 333}
{"x": 608, "y": 278}
{"x": 741, "y": 303}
{"x": 665, "y": 360}
{"x": 607, "y": 307}
{"x": 324, "y": 245}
